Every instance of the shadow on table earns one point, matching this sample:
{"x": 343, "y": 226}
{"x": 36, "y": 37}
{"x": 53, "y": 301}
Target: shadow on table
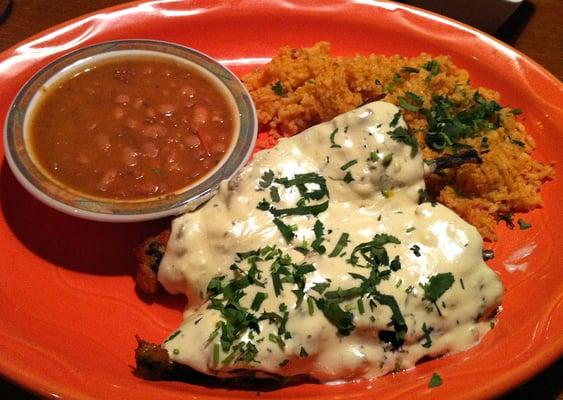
{"x": 86, "y": 246}
{"x": 546, "y": 386}
{"x": 5, "y": 9}
{"x": 511, "y": 30}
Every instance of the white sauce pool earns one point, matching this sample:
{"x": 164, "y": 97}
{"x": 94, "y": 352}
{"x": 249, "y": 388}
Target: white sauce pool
{"x": 382, "y": 198}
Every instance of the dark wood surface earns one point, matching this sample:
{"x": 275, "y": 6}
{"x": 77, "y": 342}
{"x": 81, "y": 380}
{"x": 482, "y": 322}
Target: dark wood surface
{"x": 535, "y": 29}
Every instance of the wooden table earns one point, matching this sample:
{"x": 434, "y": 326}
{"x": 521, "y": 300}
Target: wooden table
{"x": 535, "y": 29}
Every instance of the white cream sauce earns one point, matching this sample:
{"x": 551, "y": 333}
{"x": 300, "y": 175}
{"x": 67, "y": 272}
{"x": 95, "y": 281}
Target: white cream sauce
{"x": 381, "y": 198}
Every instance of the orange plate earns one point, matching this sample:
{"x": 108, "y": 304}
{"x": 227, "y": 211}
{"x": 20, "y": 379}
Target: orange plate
{"x": 67, "y": 300}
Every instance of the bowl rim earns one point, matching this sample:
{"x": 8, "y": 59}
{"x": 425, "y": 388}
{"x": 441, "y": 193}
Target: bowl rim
{"x": 144, "y": 210}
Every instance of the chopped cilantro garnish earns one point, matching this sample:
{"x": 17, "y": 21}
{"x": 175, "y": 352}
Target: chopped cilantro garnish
{"x": 342, "y": 320}
{"x": 416, "y": 250}
{"x": 423, "y": 196}
{"x": 485, "y": 142}
{"x": 516, "y": 111}
{"x": 373, "y": 252}
{"x": 286, "y": 230}
{"x": 283, "y": 363}
{"x": 298, "y": 277}
{"x": 318, "y": 229}
{"x": 411, "y": 102}
{"x": 311, "y": 305}
{"x": 397, "y": 319}
{"x": 342, "y": 242}
{"x": 374, "y": 156}
{"x": 518, "y": 142}
{"x": 348, "y": 165}
{"x": 395, "y": 264}
{"x": 263, "y": 205}
{"x": 410, "y": 70}
{"x": 395, "y": 119}
{"x": 403, "y": 135}
{"x": 348, "y": 177}
{"x": 215, "y": 354}
{"x": 277, "y": 88}
{"x": 320, "y": 287}
{"x": 433, "y": 67}
{"x": 446, "y": 126}
{"x": 387, "y": 160}
{"x": 397, "y": 80}
{"x": 410, "y": 229}
{"x": 361, "y": 308}
{"x": 427, "y": 338}
{"x": 343, "y": 294}
{"x": 332, "y": 138}
{"x": 300, "y": 210}
{"x": 435, "y": 380}
{"x": 275, "y": 194}
{"x": 267, "y": 179}
{"x": 303, "y": 352}
{"x": 437, "y": 285}
{"x": 302, "y": 180}
{"x": 506, "y": 218}
{"x": 276, "y": 339}
{"x": 523, "y": 224}
{"x": 258, "y": 300}
{"x": 172, "y": 336}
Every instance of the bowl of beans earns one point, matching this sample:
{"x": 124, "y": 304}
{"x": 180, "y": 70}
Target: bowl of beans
{"x": 129, "y": 130}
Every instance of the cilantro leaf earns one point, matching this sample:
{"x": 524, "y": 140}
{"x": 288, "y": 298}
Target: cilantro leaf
{"x": 395, "y": 119}
{"x": 267, "y": 179}
{"x": 277, "y": 88}
{"x": 403, "y": 135}
{"x": 433, "y": 67}
{"x": 348, "y": 165}
{"x": 446, "y": 127}
{"x": 332, "y": 139}
{"x": 258, "y": 300}
{"x": 437, "y": 285}
{"x": 523, "y": 224}
{"x": 342, "y": 320}
{"x": 300, "y": 210}
{"x": 342, "y": 242}
{"x": 319, "y": 238}
{"x": 427, "y": 339}
{"x": 286, "y": 230}
{"x": 435, "y": 380}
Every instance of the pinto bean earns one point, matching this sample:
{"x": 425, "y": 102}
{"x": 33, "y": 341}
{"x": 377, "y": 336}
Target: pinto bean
{"x": 146, "y": 187}
{"x": 149, "y": 149}
{"x": 107, "y": 178}
{"x": 166, "y": 109}
{"x": 187, "y": 91}
{"x": 129, "y": 156}
{"x": 218, "y": 147}
{"x": 154, "y": 131}
{"x": 122, "y": 99}
{"x": 103, "y": 142}
{"x": 119, "y": 112}
{"x": 200, "y": 115}
{"x": 192, "y": 141}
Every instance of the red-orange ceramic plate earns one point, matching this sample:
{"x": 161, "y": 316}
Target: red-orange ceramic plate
{"x": 69, "y": 311}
